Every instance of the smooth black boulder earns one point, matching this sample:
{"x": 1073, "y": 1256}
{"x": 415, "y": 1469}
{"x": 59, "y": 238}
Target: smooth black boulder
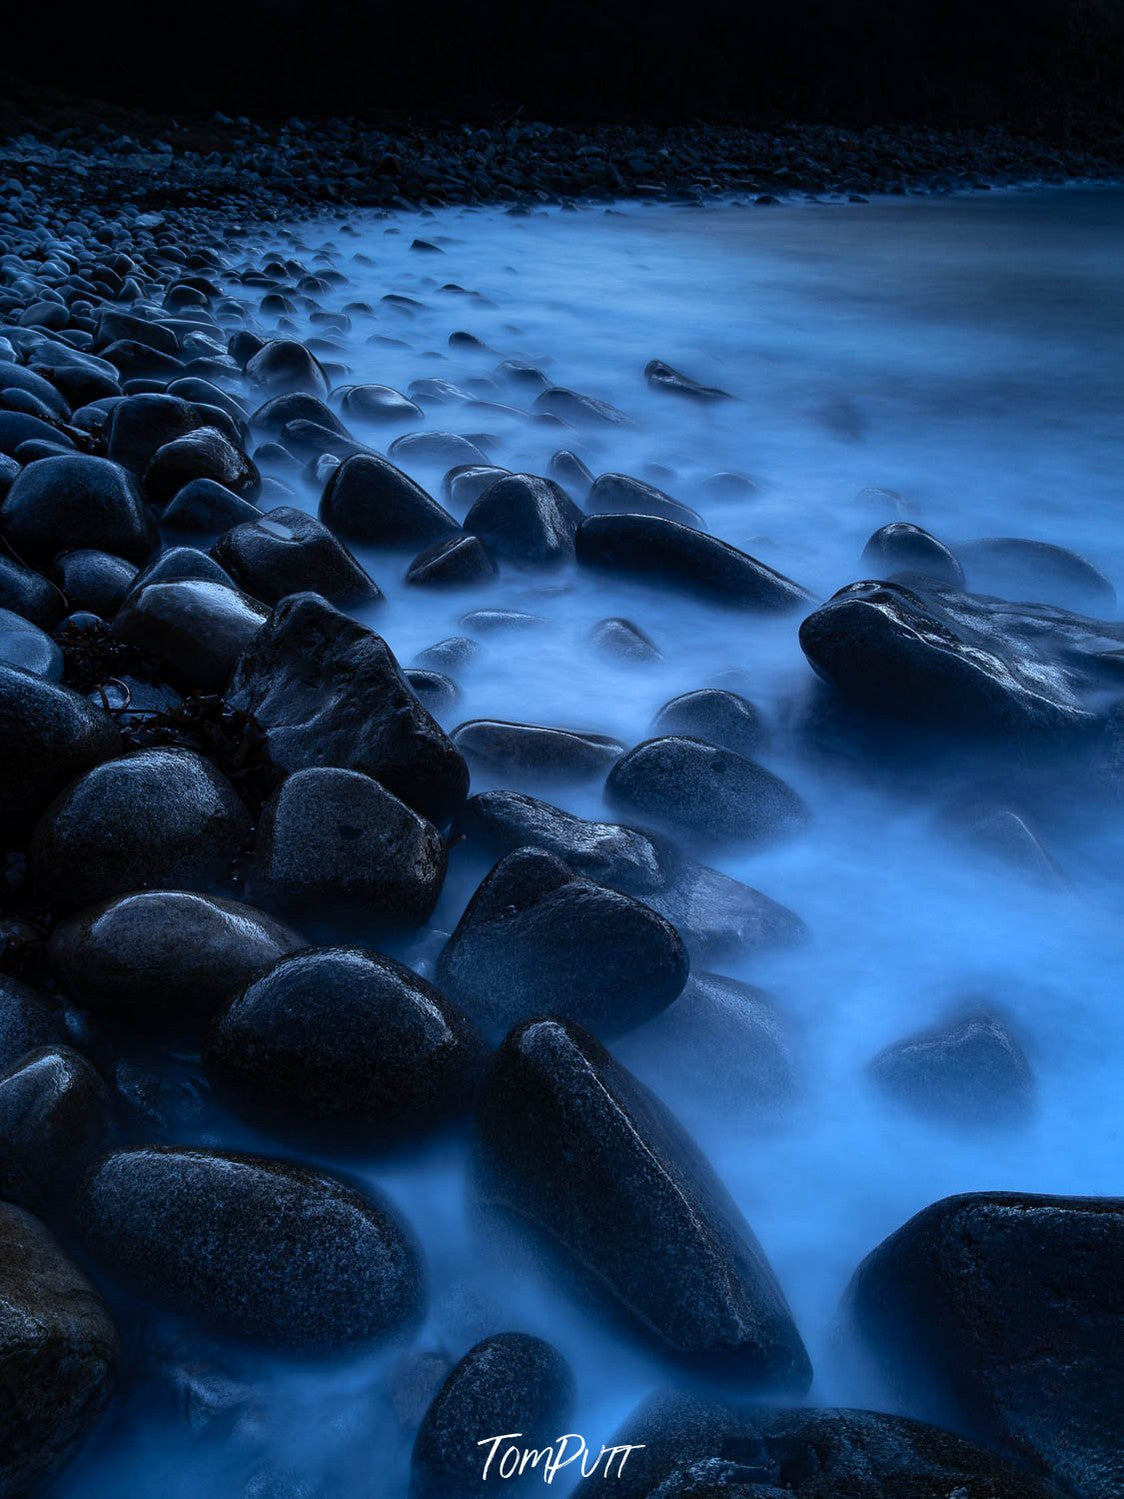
{"x": 153, "y": 818}
{"x": 277, "y": 413}
{"x": 28, "y": 1021}
{"x": 345, "y": 1042}
{"x": 534, "y": 751}
{"x": 663, "y": 377}
{"x": 165, "y": 958}
{"x": 140, "y": 425}
{"x": 369, "y": 501}
{"x": 48, "y": 734}
{"x": 61, "y": 504}
{"x": 690, "y": 1447}
{"x": 525, "y": 520}
{"x": 379, "y": 403}
{"x": 26, "y": 592}
{"x": 723, "y": 718}
{"x": 570, "y": 1146}
{"x": 94, "y": 580}
{"x": 328, "y": 691}
{"x": 29, "y": 648}
{"x": 204, "y": 508}
{"x": 621, "y": 494}
{"x": 621, "y": 640}
{"x": 968, "y": 1070}
{"x": 538, "y": 939}
{"x": 1001, "y": 1312}
{"x": 581, "y": 410}
{"x": 510, "y": 1382}
{"x": 253, "y": 1247}
{"x": 902, "y": 547}
{"x": 205, "y": 453}
{"x": 966, "y": 666}
{"x": 287, "y": 551}
{"x": 453, "y": 563}
{"x": 1017, "y": 568}
{"x": 195, "y": 629}
{"x": 283, "y": 367}
{"x": 711, "y": 794}
{"x": 58, "y": 1353}
{"x": 54, "y": 1118}
{"x": 651, "y": 547}
{"x": 334, "y": 843}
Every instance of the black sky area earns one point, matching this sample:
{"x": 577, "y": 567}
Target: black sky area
{"x": 1049, "y": 66}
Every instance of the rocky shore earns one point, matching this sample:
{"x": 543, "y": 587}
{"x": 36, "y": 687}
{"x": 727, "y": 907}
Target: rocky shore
{"x": 223, "y": 794}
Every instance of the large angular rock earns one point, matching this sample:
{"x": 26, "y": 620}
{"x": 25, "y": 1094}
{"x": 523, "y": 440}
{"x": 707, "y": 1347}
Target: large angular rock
{"x": 964, "y": 665}
{"x": 253, "y": 1247}
{"x": 156, "y": 817}
{"x": 710, "y": 794}
{"x": 287, "y": 551}
{"x": 48, "y": 734}
{"x": 1001, "y": 1312}
{"x": 60, "y": 504}
{"x": 510, "y": 1382}
{"x": 58, "y": 1353}
{"x": 538, "y": 939}
{"x": 344, "y": 1041}
{"x": 169, "y": 958}
{"x": 653, "y": 548}
{"x": 335, "y": 843}
{"x": 369, "y": 501}
{"x": 569, "y": 1145}
{"x": 328, "y": 691}
{"x": 687, "y": 1447}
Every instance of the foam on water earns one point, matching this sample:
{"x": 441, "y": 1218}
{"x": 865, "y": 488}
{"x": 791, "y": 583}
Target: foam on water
{"x": 966, "y": 352}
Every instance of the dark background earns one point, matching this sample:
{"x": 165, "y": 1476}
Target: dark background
{"x": 1053, "y": 67}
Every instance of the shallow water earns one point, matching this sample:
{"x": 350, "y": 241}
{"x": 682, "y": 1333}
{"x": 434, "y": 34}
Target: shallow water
{"x": 968, "y": 353}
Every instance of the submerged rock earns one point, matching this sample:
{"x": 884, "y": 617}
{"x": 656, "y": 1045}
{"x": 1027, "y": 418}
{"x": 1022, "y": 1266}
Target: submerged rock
{"x": 708, "y": 793}
{"x": 460, "y": 560}
{"x": 58, "y": 1350}
{"x": 570, "y": 1146}
{"x": 510, "y": 1382}
{"x": 902, "y": 547}
{"x": 525, "y": 520}
{"x": 650, "y": 547}
{"x": 620, "y": 494}
{"x": 348, "y": 1042}
{"x": 621, "y": 640}
{"x": 968, "y": 1071}
{"x": 723, "y": 718}
{"x": 530, "y": 750}
{"x": 661, "y": 376}
{"x": 328, "y": 691}
{"x": 1016, "y": 568}
{"x": 256, "y": 1248}
{"x": 165, "y": 957}
{"x": 536, "y": 938}
{"x": 1001, "y": 1312}
{"x": 687, "y": 1447}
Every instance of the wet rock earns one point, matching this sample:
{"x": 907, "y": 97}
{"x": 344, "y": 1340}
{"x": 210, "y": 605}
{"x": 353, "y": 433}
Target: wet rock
{"x": 58, "y": 1349}
{"x": 1005, "y": 836}
{"x": 206, "y": 509}
{"x": 572, "y": 473}
{"x": 720, "y": 717}
{"x": 537, "y": 938}
{"x": 256, "y": 1248}
{"x": 497, "y": 621}
{"x": 1039, "y": 571}
{"x": 510, "y": 1382}
{"x": 620, "y": 494}
{"x": 569, "y": 1143}
{"x": 435, "y": 691}
{"x": 463, "y": 486}
{"x": 281, "y": 411}
{"x": 379, "y": 403}
{"x": 444, "y": 448}
{"x": 711, "y": 794}
{"x": 347, "y": 1042}
{"x": 662, "y": 377}
{"x": 1001, "y": 1310}
{"x": 624, "y": 641}
{"x": 286, "y": 551}
{"x": 715, "y": 915}
{"x": 204, "y": 453}
{"x": 461, "y": 560}
{"x": 27, "y": 1021}
{"x": 327, "y": 691}
{"x": 165, "y": 958}
{"x": 29, "y": 648}
{"x": 525, "y": 520}
{"x": 48, "y": 734}
{"x": 456, "y": 652}
{"x": 687, "y": 1447}
{"x": 54, "y": 1118}
{"x": 94, "y": 580}
{"x": 336, "y": 844}
{"x": 61, "y": 504}
{"x": 902, "y": 547}
{"x": 530, "y": 750}
{"x": 283, "y": 367}
{"x": 581, "y": 411}
{"x": 968, "y": 1071}
{"x": 369, "y": 501}
{"x": 196, "y": 630}
{"x": 156, "y": 817}
{"x": 650, "y": 547}
{"x": 28, "y": 593}
{"x": 963, "y": 665}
